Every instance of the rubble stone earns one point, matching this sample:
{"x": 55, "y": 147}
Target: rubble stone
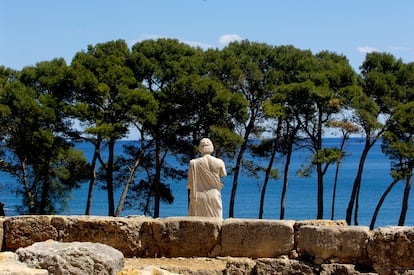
{"x": 284, "y": 266}
{"x": 10, "y": 265}
{"x": 72, "y": 258}
{"x": 239, "y": 266}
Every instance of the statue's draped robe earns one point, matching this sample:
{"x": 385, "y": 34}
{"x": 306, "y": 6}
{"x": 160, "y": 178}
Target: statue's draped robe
{"x": 204, "y": 184}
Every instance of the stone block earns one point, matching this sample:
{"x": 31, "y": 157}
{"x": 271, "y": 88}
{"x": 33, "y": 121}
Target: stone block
{"x": 343, "y": 244}
{"x": 391, "y": 249}
{"x": 132, "y": 236}
{"x": 299, "y": 224}
{"x": 257, "y": 238}
{"x": 72, "y": 258}
{"x": 22, "y": 231}
{"x": 187, "y": 236}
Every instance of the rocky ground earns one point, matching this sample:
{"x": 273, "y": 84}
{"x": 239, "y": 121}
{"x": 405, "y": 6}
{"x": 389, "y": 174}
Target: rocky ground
{"x": 177, "y": 265}
{"x": 132, "y": 266}
{"x": 238, "y": 265}
{"x": 200, "y": 266}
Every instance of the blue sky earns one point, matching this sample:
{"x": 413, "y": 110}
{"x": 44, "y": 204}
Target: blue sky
{"x": 37, "y": 30}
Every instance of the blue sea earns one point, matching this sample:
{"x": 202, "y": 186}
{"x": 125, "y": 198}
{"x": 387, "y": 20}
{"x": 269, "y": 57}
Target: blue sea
{"x": 301, "y": 193}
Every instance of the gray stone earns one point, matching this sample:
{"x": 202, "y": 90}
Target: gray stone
{"x": 72, "y": 258}
{"x": 10, "y": 265}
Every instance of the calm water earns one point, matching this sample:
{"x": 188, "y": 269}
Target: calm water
{"x": 300, "y": 197}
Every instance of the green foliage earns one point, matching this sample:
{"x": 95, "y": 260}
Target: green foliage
{"x": 142, "y": 192}
{"x": 175, "y": 95}
{"x": 305, "y": 171}
{"x": 327, "y": 155}
{"x": 384, "y": 84}
{"x": 45, "y": 165}
{"x": 346, "y": 127}
{"x": 165, "y": 69}
{"x": 102, "y": 82}
{"x": 262, "y": 150}
{"x": 398, "y": 142}
{"x": 382, "y": 81}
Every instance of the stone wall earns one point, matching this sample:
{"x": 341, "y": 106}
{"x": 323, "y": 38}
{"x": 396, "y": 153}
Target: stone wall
{"x": 387, "y": 250}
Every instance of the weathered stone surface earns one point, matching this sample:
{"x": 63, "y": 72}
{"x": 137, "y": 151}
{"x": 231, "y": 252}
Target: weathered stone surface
{"x": 236, "y": 266}
{"x": 340, "y": 269}
{"x": 180, "y": 265}
{"x": 187, "y": 236}
{"x": 239, "y": 266}
{"x": 391, "y": 250}
{"x": 256, "y": 238}
{"x": 10, "y": 265}
{"x": 22, "y": 231}
{"x": 299, "y": 224}
{"x": 334, "y": 243}
{"x": 131, "y": 236}
{"x": 72, "y": 258}
{"x": 283, "y": 266}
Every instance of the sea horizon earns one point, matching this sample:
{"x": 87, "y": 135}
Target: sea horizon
{"x": 300, "y": 197}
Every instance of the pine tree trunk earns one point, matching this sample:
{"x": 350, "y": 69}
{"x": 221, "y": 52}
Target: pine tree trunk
{"x": 380, "y": 202}
{"x": 357, "y": 181}
{"x": 285, "y": 183}
{"x": 109, "y": 178}
{"x": 157, "y": 181}
{"x": 92, "y": 179}
{"x": 404, "y": 207}
{"x": 266, "y": 180}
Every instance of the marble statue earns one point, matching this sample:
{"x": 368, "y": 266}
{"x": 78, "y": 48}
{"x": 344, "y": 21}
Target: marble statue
{"x": 204, "y": 182}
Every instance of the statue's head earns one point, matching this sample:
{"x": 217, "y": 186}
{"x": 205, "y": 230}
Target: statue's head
{"x": 205, "y": 146}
